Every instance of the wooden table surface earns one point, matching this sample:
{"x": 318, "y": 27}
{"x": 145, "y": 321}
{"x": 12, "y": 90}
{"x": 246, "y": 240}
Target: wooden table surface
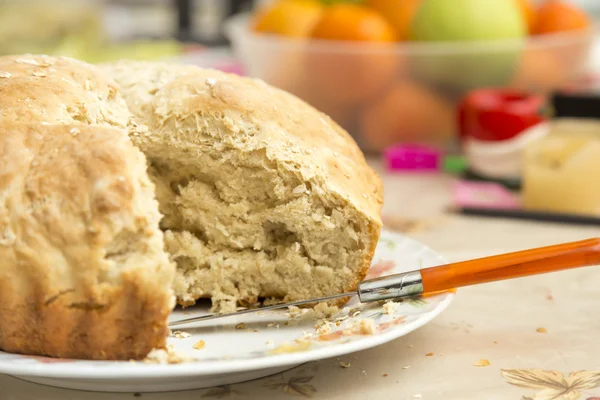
{"x": 542, "y": 332}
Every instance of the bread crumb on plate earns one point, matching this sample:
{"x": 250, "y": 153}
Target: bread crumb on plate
{"x": 365, "y": 327}
{"x": 180, "y": 335}
{"x": 167, "y": 356}
{"x": 199, "y": 345}
{"x": 321, "y": 310}
{"x": 324, "y": 310}
{"x": 390, "y": 307}
{"x": 294, "y": 311}
{"x": 323, "y": 327}
{"x": 292, "y": 348}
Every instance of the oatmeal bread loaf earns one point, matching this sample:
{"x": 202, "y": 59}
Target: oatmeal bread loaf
{"x": 84, "y": 273}
{"x": 262, "y": 195}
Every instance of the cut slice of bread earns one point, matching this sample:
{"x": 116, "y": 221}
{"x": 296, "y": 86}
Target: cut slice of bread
{"x": 84, "y": 273}
{"x": 263, "y": 195}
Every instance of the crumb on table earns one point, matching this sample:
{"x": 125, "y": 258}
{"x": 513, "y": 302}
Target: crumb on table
{"x": 482, "y": 363}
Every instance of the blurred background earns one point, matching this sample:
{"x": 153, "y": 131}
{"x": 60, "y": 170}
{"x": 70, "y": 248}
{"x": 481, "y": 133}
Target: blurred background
{"x": 499, "y": 91}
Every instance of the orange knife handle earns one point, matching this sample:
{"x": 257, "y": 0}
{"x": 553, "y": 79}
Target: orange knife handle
{"x": 512, "y": 265}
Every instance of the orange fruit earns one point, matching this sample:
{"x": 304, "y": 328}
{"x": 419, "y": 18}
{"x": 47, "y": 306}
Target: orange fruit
{"x": 408, "y": 113}
{"x": 293, "y": 18}
{"x": 342, "y": 74}
{"x": 559, "y": 16}
{"x": 353, "y": 22}
{"x": 350, "y": 78}
{"x": 528, "y": 11}
{"x": 342, "y": 113}
{"x": 540, "y": 71}
{"x": 399, "y": 13}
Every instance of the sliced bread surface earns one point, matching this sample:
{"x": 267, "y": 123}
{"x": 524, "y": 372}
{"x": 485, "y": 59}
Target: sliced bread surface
{"x": 263, "y": 195}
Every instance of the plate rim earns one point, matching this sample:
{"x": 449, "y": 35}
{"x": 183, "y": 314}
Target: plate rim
{"x": 127, "y": 370}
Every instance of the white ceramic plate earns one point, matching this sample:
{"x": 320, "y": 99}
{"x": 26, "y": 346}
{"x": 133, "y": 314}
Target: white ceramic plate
{"x": 233, "y": 355}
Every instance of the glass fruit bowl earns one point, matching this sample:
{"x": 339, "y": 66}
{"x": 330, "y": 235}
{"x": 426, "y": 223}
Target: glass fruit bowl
{"x": 386, "y": 94}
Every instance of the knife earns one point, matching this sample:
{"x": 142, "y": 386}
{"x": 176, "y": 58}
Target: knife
{"x": 518, "y": 264}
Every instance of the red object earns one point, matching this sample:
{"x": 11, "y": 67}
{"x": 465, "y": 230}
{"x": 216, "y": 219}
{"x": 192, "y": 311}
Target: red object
{"x": 497, "y": 114}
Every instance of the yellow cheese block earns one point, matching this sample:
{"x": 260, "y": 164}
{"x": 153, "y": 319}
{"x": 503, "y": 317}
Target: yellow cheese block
{"x": 562, "y": 170}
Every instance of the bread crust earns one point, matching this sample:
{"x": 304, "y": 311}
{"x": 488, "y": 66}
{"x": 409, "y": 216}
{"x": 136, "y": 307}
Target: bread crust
{"x": 58, "y": 90}
{"x": 128, "y": 327}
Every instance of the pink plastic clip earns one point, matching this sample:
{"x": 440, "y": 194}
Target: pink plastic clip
{"x": 412, "y": 158}
{"x": 487, "y": 195}
{"x": 232, "y": 68}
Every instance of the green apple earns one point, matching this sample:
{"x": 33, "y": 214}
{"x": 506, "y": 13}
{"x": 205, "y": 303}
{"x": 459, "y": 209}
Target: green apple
{"x": 467, "y": 20}
{"x": 473, "y": 54}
